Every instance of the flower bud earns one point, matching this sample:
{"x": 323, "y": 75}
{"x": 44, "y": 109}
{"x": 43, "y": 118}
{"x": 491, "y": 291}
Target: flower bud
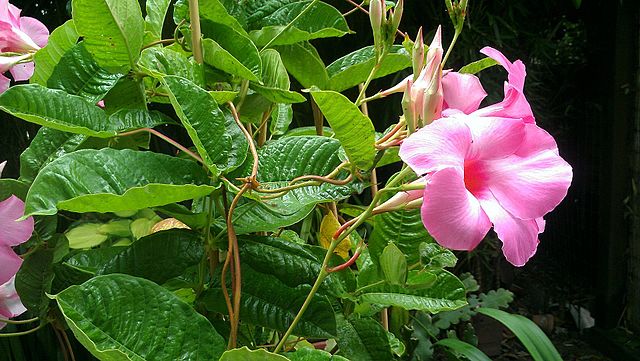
{"x": 377, "y": 16}
{"x": 408, "y": 107}
{"x": 418, "y": 54}
{"x": 396, "y": 16}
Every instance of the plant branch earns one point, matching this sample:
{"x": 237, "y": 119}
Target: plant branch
{"x": 18, "y": 322}
{"x": 157, "y": 42}
{"x": 166, "y": 139}
{"x": 196, "y": 32}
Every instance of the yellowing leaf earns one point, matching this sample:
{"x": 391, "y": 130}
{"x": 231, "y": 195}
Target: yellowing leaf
{"x": 328, "y": 228}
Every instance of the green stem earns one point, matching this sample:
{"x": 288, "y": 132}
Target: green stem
{"x": 290, "y": 24}
{"x": 196, "y": 33}
{"x": 18, "y": 322}
{"x": 368, "y": 81}
{"x": 453, "y": 42}
{"x": 17, "y": 334}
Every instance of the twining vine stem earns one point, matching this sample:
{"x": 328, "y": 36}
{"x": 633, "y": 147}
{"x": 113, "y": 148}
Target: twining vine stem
{"x": 166, "y": 139}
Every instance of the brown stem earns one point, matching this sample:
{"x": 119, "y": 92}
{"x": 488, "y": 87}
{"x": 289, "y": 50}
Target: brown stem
{"x": 63, "y": 346}
{"x": 68, "y": 343}
{"x": 262, "y": 131}
{"x": 166, "y": 139}
{"x": 350, "y": 262}
{"x": 318, "y": 118}
{"x": 157, "y": 42}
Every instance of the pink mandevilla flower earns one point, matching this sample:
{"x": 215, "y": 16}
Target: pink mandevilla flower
{"x": 488, "y": 166}
{"x": 21, "y": 35}
{"x": 12, "y": 233}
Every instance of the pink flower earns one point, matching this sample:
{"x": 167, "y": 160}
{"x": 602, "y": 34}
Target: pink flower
{"x": 484, "y": 171}
{"x": 10, "y": 305}
{"x": 22, "y": 35}
{"x": 12, "y": 233}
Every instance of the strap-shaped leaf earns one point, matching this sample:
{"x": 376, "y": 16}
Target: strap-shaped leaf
{"x": 354, "y": 68}
{"x": 109, "y": 180}
{"x": 113, "y": 31}
{"x": 270, "y": 303}
{"x": 203, "y": 120}
{"x": 463, "y": 349}
{"x": 120, "y": 317}
{"x": 353, "y": 129}
{"x": 320, "y": 21}
{"x": 445, "y": 293}
{"x": 61, "y": 40}
{"x": 78, "y": 74}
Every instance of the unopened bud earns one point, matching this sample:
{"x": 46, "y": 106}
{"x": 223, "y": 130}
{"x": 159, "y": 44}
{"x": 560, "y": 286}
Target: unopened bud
{"x": 418, "y": 54}
{"x": 396, "y": 16}
{"x": 408, "y": 107}
{"x": 377, "y": 17}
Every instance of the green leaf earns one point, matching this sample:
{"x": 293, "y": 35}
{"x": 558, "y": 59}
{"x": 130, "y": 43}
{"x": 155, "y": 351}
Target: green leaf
{"x": 47, "y": 145}
{"x": 310, "y": 354}
{"x": 231, "y": 52}
{"x": 304, "y": 63}
{"x": 90, "y": 261}
{"x": 363, "y": 340}
{"x": 154, "y": 20}
{"x": 281, "y": 118}
{"x": 210, "y": 11}
{"x": 78, "y": 74}
{"x": 109, "y": 180}
{"x": 244, "y": 354}
{"x": 164, "y": 61}
{"x": 129, "y": 93}
{"x": 34, "y": 279}
{"x": 268, "y": 302}
{"x": 532, "y": 337}
{"x": 321, "y": 21}
{"x": 478, "y": 66}
{"x": 223, "y": 96}
{"x": 404, "y": 229}
{"x": 435, "y": 256}
{"x": 354, "y": 68}
{"x": 276, "y": 80}
{"x": 353, "y": 129}
{"x": 281, "y": 161}
{"x": 203, "y": 120}
{"x": 56, "y": 109}
{"x": 446, "y": 293}
{"x": 137, "y": 320}
{"x": 294, "y": 264}
{"x": 85, "y": 235}
{"x": 113, "y": 31}
{"x": 158, "y": 257}
{"x": 463, "y": 349}
{"x": 130, "y": 119}
{"x": 394, "y": 265}
{"x": 61, "y": 40}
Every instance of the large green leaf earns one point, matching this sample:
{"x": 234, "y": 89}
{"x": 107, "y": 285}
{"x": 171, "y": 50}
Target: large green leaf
{"x": 445, "y": 293}
{"x": 268, "y": 302}
{"x": 353, "y": 129}
{"x": 463, "y": 349}
{"x": 294, "y": 264}
{"x": 276, "y": 80}
{"x": 61, "y": 40}
{"x": 245, "y": 354}
{"x": 363, "y": 340}
{"x": 113, "y": 31}
{"x": 311, "y": 354}
{"x": 281, "y": 118}
{"x": 78, "y": 74}
{"x": 281, "y": 161}
{"x": 129, "y": 93}
{"x": 123, "y": 318}
{"x": 158, "y": 257}
{"x": 404, "y": 229}
{"x": 354, "y": 68}
{"x": 231, "y": 51}
{"x": 210, "y": 11}
{"x": 34, "y": 279}
{"x": 203, "y": 120}
{"x": 164, "y": 61}
{"x": 532, "y": 337}
{"x": 304, "y": 63}
{"x": 109, "y": 180}
{"x": 320, "y": 21}
{"x": 154, "y": 19}
{"x": 47, "y": 145}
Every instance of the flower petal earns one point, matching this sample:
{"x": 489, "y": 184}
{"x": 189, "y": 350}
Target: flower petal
{"x": 10, "y": 304}
{"x": 514, "y": 105}
{"x": 519, "y": 237}
{"x": 2, "y": 167}
{"x": 451, "y": 214}
{"x": 462, "y": 91}
{"x": 10, "y": 262}
{"x": 14, "y": 233}
{"x": 517, "y": 71}
{"x": 442, "y": 144}
{"x": 22, "y": 71}
{"x": 36, "y": 30}
{"x": 536, "y": 140}
{"x": 4, "y": 83}
{"x": 494, "y": 137}
{"x": 529, "y": 185}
